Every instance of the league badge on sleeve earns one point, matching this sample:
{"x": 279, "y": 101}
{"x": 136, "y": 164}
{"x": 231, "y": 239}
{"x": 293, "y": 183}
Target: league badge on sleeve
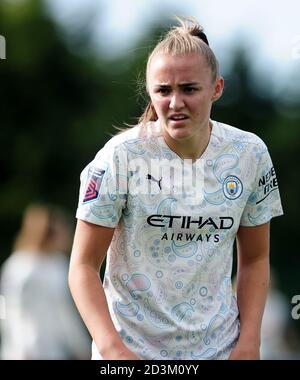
{"x": 94, "y": 181}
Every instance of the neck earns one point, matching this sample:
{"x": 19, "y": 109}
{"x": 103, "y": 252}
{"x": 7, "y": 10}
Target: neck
{"x": 193, "y": 147}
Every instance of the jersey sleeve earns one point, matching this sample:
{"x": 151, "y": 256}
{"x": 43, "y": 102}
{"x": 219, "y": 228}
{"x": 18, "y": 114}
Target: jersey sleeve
{"x": 103, "y": 189}
{"x": 264, "y": 201}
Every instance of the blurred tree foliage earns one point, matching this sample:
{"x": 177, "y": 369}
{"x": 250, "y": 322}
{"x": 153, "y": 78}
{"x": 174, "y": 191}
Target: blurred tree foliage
{"x": 57, "y": 109}
{"x": 58, "y": 106}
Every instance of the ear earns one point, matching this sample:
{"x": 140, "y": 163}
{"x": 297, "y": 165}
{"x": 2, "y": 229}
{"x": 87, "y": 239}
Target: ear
{"x": 218, "y": 88}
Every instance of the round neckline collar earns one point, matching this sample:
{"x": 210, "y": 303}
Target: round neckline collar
{"x": 162, "y": 142}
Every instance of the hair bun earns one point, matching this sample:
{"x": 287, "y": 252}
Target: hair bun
{"x": 202, "y": 37}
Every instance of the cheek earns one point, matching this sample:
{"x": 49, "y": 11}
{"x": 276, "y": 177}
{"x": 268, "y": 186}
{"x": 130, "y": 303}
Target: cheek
{"x": 200, "y": 104}
{"x": 161, "y": 106}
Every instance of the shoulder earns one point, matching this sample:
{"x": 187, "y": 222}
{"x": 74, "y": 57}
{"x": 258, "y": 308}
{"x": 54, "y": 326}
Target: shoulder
{"x": 229, "y": 134}
{"x": 130, "y": 139}
{"x": 139, "y": 132}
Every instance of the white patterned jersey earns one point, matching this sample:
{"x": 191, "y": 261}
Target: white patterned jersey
{"x": 168, "y": 271}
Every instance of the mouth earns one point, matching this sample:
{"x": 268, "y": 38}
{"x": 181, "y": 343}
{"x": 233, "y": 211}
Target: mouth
{"x": 178, "y": 118}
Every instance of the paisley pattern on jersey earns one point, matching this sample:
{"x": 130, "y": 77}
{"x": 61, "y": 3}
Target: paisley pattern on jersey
{"x": 168, "y": 271}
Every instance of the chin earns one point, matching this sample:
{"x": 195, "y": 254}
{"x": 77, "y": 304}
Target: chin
{"x": 180, "y": 134}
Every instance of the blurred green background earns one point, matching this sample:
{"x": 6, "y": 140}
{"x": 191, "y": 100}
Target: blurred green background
{"x": 60, "y": 98}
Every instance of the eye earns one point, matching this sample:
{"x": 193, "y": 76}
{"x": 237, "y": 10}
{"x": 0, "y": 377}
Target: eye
{"x": 189, "y": 90}
{"x": 162, "y": 91}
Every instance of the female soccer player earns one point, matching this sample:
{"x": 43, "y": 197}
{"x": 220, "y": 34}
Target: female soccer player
{"x": 165, "y": 201}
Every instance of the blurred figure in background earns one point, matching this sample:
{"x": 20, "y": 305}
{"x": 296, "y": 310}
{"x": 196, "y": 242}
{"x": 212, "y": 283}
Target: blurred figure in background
{"x": 41, "y": 320}
{"x": 277, "y": 334}
{"x": 279, "y": 340}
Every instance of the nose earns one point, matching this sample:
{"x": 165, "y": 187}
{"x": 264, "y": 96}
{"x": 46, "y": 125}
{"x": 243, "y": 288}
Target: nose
{"x": 176, "y": 102}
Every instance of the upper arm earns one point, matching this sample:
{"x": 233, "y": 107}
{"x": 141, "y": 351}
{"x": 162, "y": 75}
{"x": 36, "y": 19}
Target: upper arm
{"x": 253, "y": 242}
{"x": 91, "y": 243}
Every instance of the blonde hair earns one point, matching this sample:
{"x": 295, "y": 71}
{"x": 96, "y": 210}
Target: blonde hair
{"x": 187, "y": 38}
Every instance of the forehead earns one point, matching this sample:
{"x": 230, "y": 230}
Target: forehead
{"x": 178, "y": 68}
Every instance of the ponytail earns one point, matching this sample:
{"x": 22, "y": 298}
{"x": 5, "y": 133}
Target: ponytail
{"x": 149, "y": 114}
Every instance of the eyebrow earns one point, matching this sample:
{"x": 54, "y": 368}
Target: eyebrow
{"x": 180, "y": 85}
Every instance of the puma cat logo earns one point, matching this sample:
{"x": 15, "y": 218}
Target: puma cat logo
{"x": 149, "y": 176}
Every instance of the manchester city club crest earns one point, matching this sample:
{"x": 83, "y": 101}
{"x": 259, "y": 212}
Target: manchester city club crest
{"x": 232, "y": 187}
